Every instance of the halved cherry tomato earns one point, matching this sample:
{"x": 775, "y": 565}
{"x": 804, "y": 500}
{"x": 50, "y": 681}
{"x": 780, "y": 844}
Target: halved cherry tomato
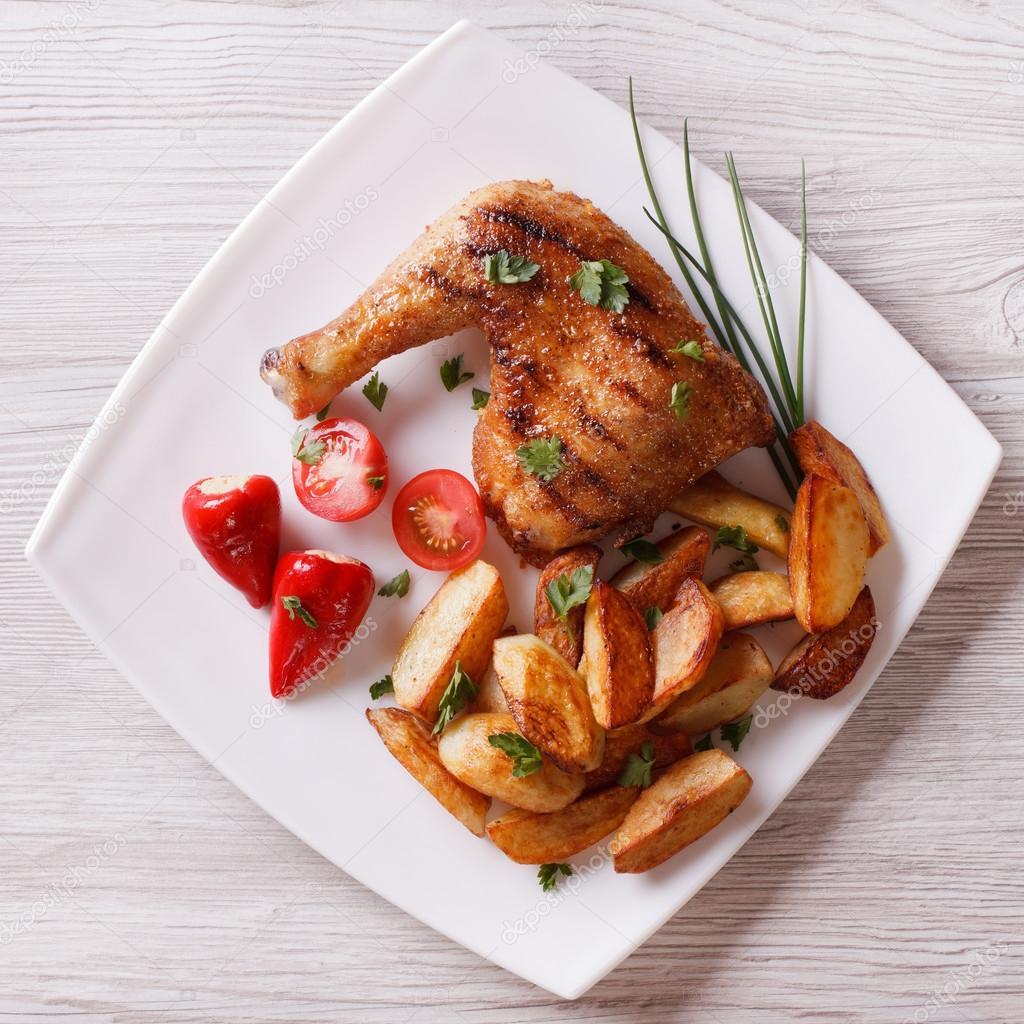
{"x": 340, "y": 470}
{"x": 438, "y": 520}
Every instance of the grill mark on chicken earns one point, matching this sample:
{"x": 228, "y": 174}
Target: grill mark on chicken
{"x": 443, "y": 284}
{"x": 643, "y": 344}
{"x": 529, "y": 226}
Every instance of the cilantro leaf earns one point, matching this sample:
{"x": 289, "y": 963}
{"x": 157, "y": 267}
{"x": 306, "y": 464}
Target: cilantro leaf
{"x": 653, "y": 616}
{"x": 480, "y": 398}
{"x": 637, "y": 769}
{"x": 323, "y": 413}
{"x": 679, "y": 400}
{"x": 382, "y": 686}
{"x": 293, "y": 606}
{"x": 376, "y": 482}
{"x": 601, "y": 283}
{"x": 525, "y": 756}
{"x": 548, "y": 875}
{"x": 397, "y": 586}
{"x": 452, "y": 373}
{"x": 782, "y": 523}
{"x": 457, "y": 694}
{"x": 567, "y": 592}
{"x": 375, "y": 391}
{"x": 501, "y": 268}
{"x": 542, "y": 457}
{"x": 734, "y": 537}
{"x": 643, "y": 551}
{"x": 704, "y": 743}
{"x": 691, "y": 349}
{"x": 735, "y": 732}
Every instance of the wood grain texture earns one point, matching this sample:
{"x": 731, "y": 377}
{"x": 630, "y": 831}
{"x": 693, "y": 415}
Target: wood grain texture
{"x": 135, "y": 137}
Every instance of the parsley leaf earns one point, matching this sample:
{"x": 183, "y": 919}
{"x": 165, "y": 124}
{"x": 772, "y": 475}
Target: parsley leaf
{"x": 457, "y": 694}
{"x": 376, "y": 482}
{"x": 745, "y": 563}
{"x": 297, "y": 438}
{"x": 397, "y": 586}
{"x": 643, "y": 551}
{"x": 637, "y": 769}
{"x": 653, "y": 616}
{"x": 542, "y": 457}
{"x": 501, "y": 268}
{"x": 525, "y": 756}
{"x": 735, "y": 732}
{"x": 567, "y": 592}
{"x": 734, "y": 537}
{"x": 691, "y": 349}
{"x": 548, "y": 875}
{"x": 679, "y": 400}
{"x": 382, "y": 686}
{"x": 293, "y": 606}
{"x": 704, "y": 743}
{"x": 601, "y": 283}
{"x": 311, "y": 454}
{"x": 323, "y": 413}
{"x": 375, "y": 391}
{"x": 452, "y": 373}
{"x": 782, "y": 523}
{"x": 480, "y": 398}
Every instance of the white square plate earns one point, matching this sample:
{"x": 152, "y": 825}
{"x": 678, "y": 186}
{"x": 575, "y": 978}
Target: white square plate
{"x": 111, "y": 544}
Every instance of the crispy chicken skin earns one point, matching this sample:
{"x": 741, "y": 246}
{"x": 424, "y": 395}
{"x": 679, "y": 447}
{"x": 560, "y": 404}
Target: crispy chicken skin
{"x": 600, "y": 381}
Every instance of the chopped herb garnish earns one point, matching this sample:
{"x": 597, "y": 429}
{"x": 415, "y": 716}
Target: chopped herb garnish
{"x": 548, "y": 875}
{"x": 704, "y": 743}
{"x": 643, "y": 551}
{"x": 501, "y": 268}
{"x": 376, "y": 482}
{"x": 567, "y": 592}
{"x": 734, "y": 732}
{"x": 293, "y": 606}
{"x": 452, "y": 373}
{"x": 323, "y": 413}
{"x": 480, "y": 398}
{"x": 745, "y": 563}
{"x": 525, "y": 756}
{"x": 653, "y": 616}
{"x": 311, "y": 453}
{"x": 297, "y": 438}
{"x": 691, "y": 349}
{"x": 734, "y": 537}
{"x": 542, "y": 457}
{"x": 457, "y": 694}
{"x": 601, "y": 283}
{"x": 382, "y": 686}
{"x": 679, "y": 400}
{"x": 637, "y": 769}
{"x": 782, "y": 523}
{"x": 375, "y": 391}
{"x": 397, "y": 586}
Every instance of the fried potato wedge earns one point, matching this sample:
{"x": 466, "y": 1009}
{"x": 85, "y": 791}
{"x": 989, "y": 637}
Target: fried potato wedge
{"x": 713, "y": 501}
{"x": 684, "y": 644}
{"x": 668, "y": 747}
{"x": 458, "y": 624}
{"x": 546, "y": 624}
{"x": 617, "y": 661}
{"x": 654, "y": 586}
{"x": 828, "y": 553}
{"x": 822, "y": 665}
{"x": 466, "y": 752}
{"x": 821, "y": 454}
{"x": 548, "y": 699}
{"x": 749, "y": 598}
{"x": 687, "y": 801}
{"x": 489, "y": 695}
{"x": 411, "y": 744}
{"x": 530, "y": 838}
{"x": 739, "y": 673}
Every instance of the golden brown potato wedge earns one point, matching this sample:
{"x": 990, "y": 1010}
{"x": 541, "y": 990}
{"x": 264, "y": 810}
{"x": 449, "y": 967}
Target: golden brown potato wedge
{"x": 617, "y": 662}
{"x": 687, "y": 801}
{"x": 820, "y": 666}
{"x": 466, "y": 752}
{"x": 828, "y": 553}
{"x": 654, "y": 586}
{"x": 548, "y": 699}
{"x": 736, "y": 678}
{"x": 620, "y": 743}
{"x": 821, "y": 454}
{"x": 713, "y": 501}
{"x": 748, "y": 598}
{"x": 489, "y": 696}
{"x": 458, "y": 624}
{"x": 684, "y": 642}
{"x": 530, "y": 838}
{"x": 411, "y": 744}
{"x": 546, "y": 624}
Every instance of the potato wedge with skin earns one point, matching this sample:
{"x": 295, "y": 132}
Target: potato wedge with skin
{"x": 822, "y": 665}
{"x": 749, "y": 598}
{"x": 465, "y": 751}
{"x": 620, "y": 743}
{"x": 735, "y": 680}
{"x": 828, "y": 553}
{"x": 458, "y": 624}
{"x": 548, "y": 699}
{"x": 713, "y": 501}
{"x": 654, "y": 586}
{"x": 546, "y": 624}
{"x": 489, "y": 696}
{"x": 530, "y": 838}
{"x": 686, "y": 802}
{"x": 822, "y": 454}
{"x": 411, "y": 744}
{"x": 617, "y": 662}
{"x": 684, "y": 643}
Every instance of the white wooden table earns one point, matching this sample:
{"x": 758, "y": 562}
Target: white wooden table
{"x": 135, "y": 137}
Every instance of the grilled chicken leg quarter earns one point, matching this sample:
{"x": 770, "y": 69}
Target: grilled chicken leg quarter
{"x": 598, "y": 380}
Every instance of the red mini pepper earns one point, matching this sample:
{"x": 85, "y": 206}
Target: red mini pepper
{"x": 235, "y": 521}
{"x": 319, "y": 600}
